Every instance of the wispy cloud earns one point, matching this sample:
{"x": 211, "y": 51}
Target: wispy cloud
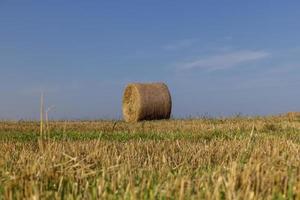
{"x": 225, "y": 61}
{"x": 180, "y": 44}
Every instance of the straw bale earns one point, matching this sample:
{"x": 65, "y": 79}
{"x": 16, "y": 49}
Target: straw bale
{"x": 146, "y": 101}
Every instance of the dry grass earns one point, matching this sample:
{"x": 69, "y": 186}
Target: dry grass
{"x": 238, "y": 158}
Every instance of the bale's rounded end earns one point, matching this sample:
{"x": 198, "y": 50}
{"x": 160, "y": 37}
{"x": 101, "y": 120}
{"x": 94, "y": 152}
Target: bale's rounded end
{"x": 131, "y": 103}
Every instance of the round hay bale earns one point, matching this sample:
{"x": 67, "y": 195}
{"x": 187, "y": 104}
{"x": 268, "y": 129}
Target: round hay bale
{"x": 146, "y": 101}
{"x": 293, "y": 115}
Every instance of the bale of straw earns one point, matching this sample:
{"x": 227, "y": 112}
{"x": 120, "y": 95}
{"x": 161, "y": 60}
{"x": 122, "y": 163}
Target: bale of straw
{"x": 293, "y": 115}
{"x": 146, "y": 101}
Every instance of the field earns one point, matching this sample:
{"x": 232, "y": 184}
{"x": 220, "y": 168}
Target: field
{"x": 233, "y": 158}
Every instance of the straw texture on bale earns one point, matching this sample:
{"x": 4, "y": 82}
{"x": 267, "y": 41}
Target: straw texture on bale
{"x": 146, "y": 101}
{"x": 293, "y": 115}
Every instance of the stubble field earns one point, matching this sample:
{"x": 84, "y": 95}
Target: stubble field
{"x": 233, "y": 158}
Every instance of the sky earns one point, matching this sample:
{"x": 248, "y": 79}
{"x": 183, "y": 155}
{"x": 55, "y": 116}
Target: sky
{"x": 219, "y": 58}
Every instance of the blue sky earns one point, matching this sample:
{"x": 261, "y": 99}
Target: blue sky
{"x": 219, "y": 58}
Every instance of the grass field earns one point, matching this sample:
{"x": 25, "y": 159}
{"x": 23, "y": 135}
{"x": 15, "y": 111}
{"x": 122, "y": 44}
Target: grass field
{"x": 233, "y": 158}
